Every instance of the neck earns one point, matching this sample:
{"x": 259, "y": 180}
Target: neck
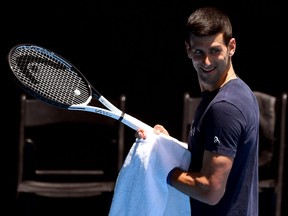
{"x": 230, "y": 75}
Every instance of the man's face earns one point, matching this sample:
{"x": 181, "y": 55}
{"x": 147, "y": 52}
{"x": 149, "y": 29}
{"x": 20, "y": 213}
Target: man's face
{"x": 210, "y": 57}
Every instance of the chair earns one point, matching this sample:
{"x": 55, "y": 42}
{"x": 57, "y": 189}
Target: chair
{"x": 68, "y": 154}
{"x": 189, "y": 107}
{"x": 272, "y": 141}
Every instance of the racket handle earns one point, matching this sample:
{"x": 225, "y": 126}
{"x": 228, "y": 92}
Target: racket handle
{"x": 134, "y": 123}
{"x": 126, "y": 119}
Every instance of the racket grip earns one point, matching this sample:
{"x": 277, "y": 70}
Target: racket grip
{"x": 124, "y": 118}
{"x": 134, "y": 123}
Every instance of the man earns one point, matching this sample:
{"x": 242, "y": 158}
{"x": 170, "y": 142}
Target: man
{"x": 223, "y": 176}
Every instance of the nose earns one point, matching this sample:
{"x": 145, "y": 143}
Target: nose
{"x": 206, "y": 60}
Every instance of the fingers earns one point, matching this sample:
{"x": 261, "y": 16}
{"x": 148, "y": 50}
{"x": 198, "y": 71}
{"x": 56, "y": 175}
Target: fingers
{"x": 160, "y": 129}
{"x": 140, "y": 134}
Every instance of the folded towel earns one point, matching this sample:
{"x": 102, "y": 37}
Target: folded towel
{"x": 141, "y": 188}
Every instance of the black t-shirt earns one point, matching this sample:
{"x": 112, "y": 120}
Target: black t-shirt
{"x": 227, "y": 123}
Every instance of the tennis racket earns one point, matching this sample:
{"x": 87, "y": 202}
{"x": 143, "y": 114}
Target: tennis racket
{"x": 50, "y": 78}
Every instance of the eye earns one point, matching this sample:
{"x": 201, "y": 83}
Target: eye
{"x": 214, "y": 51}
{"x": 197, "y": 52}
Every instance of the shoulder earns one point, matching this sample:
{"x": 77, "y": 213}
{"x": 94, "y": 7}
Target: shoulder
{"x": 238, "y": 93}
{"x": 238, "y": 99}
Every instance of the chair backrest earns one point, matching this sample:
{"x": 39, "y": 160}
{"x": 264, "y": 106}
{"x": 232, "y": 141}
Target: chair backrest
{"x": 272, "y": 141}
{"x": 54, "y": 142}
{"x": 189, "y": 107}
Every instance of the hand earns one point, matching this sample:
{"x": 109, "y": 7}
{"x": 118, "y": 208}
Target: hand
{"x": 157, "y": 130}
{"x": 160, "y": 129}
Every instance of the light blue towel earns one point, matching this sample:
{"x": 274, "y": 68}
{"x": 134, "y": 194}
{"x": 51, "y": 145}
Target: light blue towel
{"x": 141, "y": 188}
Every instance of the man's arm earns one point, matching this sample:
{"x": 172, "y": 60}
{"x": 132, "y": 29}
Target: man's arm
{"x": 209, "y": 185}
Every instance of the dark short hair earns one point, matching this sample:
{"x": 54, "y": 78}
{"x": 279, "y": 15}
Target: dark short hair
{"x": 208, "y": 21}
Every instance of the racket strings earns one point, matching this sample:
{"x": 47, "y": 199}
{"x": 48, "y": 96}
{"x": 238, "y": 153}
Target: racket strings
{"x": 50, "y": 77}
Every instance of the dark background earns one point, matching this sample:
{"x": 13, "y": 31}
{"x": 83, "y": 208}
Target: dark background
{"x": 137, "y": 50}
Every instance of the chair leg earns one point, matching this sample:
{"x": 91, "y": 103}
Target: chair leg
{"x": 267, "y": 202}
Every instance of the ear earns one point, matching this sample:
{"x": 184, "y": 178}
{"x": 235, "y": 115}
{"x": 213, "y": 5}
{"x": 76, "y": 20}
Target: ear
{"x": 188, "y": 49}
{"x": 232, "y": 46}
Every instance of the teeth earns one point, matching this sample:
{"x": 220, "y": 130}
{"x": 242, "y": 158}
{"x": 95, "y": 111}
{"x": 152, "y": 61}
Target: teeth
{"x": 208, "y": 70}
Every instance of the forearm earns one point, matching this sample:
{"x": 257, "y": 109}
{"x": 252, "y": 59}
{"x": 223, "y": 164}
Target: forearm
{"x": 193, "y": 185}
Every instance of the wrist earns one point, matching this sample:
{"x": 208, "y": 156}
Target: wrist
{"x": 169, "y": 176}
